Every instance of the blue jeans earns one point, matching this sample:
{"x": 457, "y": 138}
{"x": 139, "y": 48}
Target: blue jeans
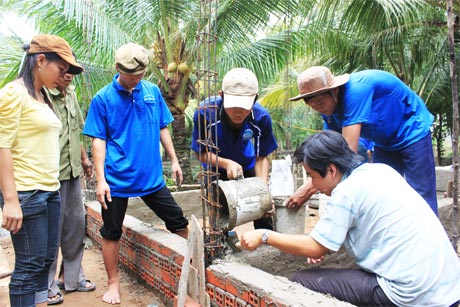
{"x": 35, "y": 247}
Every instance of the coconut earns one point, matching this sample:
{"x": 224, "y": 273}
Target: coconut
{"x": 172, "y": 67}
{"x": 183, "y": 68}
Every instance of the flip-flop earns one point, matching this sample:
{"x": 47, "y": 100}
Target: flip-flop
{"x": 84, "y": 288}
{"x": 57, "y": 299}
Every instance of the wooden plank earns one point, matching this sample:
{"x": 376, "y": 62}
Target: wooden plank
{"x": 198, "y": 257}
{"x": 183, "y": 281}
{"x": 192, "y": 280}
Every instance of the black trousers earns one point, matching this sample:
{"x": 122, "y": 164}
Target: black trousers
{"x": 355, "y": 286}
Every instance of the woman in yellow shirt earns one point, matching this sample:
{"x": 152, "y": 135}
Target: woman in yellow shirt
{"x": 29, "y": 166}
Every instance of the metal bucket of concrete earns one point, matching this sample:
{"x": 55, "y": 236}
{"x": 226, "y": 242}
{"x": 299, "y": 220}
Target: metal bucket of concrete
{"x": 241, "y": 201}
{"x": 288, "y": 220}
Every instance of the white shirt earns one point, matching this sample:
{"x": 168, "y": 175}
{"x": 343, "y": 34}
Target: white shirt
{"x": 389, "y": 229}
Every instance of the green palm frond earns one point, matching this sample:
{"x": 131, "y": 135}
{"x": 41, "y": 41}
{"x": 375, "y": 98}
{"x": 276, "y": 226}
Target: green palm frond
{"x": 276, "y": 39}
{"x": 240, "y": 21}
{"x": 12, "y": 53}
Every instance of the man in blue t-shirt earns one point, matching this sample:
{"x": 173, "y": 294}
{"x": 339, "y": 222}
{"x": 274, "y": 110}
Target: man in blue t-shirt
{"x": 240, "y": 128}
{"x": 127, "y": 120}
{"x": 378, "y": 106}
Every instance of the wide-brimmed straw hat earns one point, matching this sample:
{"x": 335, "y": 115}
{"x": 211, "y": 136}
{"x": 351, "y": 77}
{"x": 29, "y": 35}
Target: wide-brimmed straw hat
{"x": 52, "y": 43}
{"x": 316, "y": 80}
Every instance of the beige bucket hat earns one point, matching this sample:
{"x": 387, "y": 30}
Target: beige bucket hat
{"x": 131, "y": 59}
{"x": 316, "y": 80}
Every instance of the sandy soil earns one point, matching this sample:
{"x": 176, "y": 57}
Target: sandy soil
{"x": 133, "y": 294}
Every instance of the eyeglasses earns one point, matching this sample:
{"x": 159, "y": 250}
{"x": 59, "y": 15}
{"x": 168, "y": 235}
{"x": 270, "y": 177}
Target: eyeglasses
{"x": 309, "y": 100}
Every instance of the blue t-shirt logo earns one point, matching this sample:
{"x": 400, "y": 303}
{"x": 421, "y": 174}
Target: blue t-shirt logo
{"x": 247, "y": 134}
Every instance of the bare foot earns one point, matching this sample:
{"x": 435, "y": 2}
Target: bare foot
{"x": 183, "y": 233}
{"x": 112, "y": 296}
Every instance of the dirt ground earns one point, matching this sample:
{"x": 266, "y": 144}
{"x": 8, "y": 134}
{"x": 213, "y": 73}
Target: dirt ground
{"x": 133, "y": 294}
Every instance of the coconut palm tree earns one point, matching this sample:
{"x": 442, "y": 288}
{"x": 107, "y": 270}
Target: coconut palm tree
{"x": 275, "y": 39}
{"x": 407, "y": 38}
{"x": 168, "y": 28}
{"x": 412, "y": 44}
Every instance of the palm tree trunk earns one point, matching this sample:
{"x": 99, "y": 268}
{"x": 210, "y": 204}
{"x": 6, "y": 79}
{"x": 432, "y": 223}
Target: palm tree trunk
{"x": 455, "y": 121}
{"x": 182, "y": 147}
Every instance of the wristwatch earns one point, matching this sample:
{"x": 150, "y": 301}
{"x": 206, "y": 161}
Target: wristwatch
{"x": 265, "y": 236}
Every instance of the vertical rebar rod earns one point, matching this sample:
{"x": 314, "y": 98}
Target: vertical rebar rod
{"x": 207, "y": 79}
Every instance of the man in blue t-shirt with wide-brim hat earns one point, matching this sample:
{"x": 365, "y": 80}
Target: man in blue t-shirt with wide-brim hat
{"x": 379, "y": 107}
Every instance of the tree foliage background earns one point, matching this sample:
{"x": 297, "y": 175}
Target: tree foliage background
{"x": 276, "y": 39}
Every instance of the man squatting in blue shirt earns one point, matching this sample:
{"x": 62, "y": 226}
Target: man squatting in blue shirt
{"x": 240, "y": 128}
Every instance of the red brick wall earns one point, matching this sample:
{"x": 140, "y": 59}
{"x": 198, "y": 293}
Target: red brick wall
{"x": 156, "y": 256}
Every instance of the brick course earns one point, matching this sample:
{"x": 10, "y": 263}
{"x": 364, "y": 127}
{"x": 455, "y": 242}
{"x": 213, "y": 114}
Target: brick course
{"x": 156, "y": 256}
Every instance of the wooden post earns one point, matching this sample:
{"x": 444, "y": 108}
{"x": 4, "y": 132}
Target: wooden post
{"x": 192, "y": 280}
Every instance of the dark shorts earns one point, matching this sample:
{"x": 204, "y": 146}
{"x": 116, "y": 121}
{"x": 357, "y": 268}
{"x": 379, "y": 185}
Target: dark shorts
{"x": 160, "y": 202}
{"x": 355, "y": 286}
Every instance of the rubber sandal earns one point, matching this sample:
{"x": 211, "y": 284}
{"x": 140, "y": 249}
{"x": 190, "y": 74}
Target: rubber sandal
{"x": 84, "y": 288}
{"x": 60, "y": 284}
{"x": 57, "y": 299}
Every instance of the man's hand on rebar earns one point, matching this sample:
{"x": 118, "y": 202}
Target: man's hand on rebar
{"x": 251, "y": 240}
